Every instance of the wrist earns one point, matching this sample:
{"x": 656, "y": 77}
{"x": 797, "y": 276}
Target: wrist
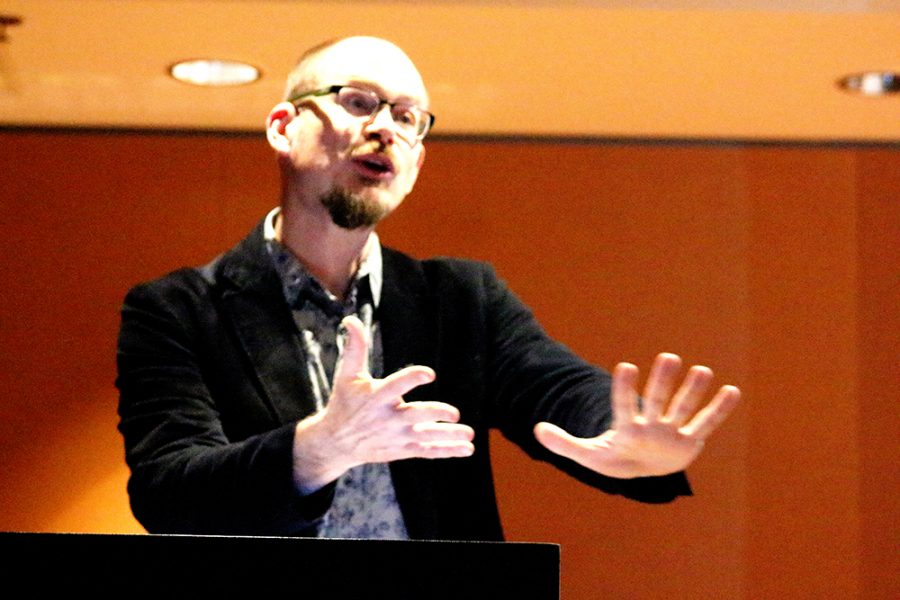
{"x": 314, "y": 462}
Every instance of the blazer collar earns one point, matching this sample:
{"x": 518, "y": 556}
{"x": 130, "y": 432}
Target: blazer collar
{"x": 253, "y": 299}
{"x": 247, "y": 265}
{"x": 262, "y": 320}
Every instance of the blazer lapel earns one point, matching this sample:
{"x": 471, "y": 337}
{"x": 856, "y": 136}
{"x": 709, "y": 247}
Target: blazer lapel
{"x": 254, "y": 302}
{"x": 408, "y": 336}
{"x": 404, "y": 317}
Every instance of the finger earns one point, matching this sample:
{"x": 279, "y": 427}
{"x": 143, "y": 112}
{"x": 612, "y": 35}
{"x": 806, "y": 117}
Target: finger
{"x": 559, "y": 441}
{"x": 660, "y": 384}
{"x": 354, "y": 362}
{"x": 712, "y": 415}
{"x": 428, "y": 412}
{"x": 458, "y": 449}
{"x": 624, "y": 394}
{"x": 688, "y": 396}
{"x": 400, "y": 382}
{"x": 442, "y": 432}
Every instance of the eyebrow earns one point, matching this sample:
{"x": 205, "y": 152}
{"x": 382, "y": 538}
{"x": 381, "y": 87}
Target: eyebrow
{"x": 370, "y": 85}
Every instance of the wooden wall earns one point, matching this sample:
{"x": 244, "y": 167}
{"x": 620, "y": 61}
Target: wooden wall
{"x": 775, "y": 265}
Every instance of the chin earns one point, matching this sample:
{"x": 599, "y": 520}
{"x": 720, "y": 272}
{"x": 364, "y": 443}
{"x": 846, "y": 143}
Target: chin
{"x": 353, "y": 210}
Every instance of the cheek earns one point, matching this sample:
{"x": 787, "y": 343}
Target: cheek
{"x": 408, "y": 178}
{"x": 317, "y": 141}
{"x": 334, "y": 141}
{"x": 337, "y": 130}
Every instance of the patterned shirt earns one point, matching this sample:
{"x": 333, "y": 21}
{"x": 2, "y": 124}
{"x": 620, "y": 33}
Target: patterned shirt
{"x": 365, "y": 504}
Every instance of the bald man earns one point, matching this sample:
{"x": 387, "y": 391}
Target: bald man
{"x": 312, "y": 382}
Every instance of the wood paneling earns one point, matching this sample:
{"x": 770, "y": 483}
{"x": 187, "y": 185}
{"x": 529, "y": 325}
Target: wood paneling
{"x": 774, "y": 265}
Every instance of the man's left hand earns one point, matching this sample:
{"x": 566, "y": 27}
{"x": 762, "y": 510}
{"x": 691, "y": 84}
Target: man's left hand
{"x": 660, "y": 434}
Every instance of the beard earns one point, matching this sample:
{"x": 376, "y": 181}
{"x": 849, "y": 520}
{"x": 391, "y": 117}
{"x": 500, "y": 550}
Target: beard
{"x": 350, "y": 211}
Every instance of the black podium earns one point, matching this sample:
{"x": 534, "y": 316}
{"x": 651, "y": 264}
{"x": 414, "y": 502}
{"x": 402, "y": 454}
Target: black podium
{"x": 180, "y": 566}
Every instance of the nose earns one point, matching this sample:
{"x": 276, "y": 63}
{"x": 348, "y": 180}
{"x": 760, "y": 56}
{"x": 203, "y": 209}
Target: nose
{"x": 381, "y": 126}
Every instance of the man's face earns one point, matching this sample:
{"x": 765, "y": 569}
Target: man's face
{"x": 357, "y": 167}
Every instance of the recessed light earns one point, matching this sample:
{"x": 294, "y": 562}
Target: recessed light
{"x": 872, "y": 83}
{"x": 214, "y": 72}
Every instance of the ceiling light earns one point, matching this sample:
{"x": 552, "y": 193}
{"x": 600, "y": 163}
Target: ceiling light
{"x": 873, "y": 83}
{"x": 214, "y": 72}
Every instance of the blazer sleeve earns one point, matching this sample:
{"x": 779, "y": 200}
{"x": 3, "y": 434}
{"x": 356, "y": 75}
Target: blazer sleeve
{"x": 533, "y": 378}
{"x": 188, "y": 476}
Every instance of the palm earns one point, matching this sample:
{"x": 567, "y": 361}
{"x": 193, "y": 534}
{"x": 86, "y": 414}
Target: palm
{"x": 660, "y": 434}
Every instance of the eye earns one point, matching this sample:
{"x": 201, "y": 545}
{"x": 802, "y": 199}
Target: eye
{"x": 404, "y": 115}
{"x": 357, "y": 102}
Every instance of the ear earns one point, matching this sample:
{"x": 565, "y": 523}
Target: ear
{"x": 276, "y": 124}
{"x": 421, "y": 160}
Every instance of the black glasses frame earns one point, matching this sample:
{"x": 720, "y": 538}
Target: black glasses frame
{"x": 428, "y": 122}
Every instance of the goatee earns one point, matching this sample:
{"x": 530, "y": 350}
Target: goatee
{"x": 349, "y": 211}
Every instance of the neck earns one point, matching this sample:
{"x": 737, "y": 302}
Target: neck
{"x": 330, "y": 253}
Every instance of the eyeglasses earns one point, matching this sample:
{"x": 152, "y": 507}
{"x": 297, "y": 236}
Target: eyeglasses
{"x": 412, "y": 122}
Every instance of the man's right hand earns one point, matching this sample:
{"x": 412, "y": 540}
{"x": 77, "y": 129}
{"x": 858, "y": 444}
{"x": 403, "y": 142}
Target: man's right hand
{"x": 367, "y": 421}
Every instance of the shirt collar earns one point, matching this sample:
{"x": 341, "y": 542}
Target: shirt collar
{"x": 371, "y": 266}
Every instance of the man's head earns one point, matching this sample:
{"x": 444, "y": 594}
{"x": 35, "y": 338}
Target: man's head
{"x": 338, "y": 155}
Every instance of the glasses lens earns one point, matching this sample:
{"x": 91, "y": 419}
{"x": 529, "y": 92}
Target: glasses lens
{"x": 424, "y": 125}
{"x": 412, "y": 122}
{"x": 359, "y": 103}
{"x": 407, "y": 119}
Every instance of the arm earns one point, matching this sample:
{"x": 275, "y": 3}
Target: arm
{"x": 188, "y": 474}
{"x": 664, "y": 433}
{"x": 536, "y": 380}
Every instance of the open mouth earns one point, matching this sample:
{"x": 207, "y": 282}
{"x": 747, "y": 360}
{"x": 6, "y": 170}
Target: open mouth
{"x": 374, "y": 166}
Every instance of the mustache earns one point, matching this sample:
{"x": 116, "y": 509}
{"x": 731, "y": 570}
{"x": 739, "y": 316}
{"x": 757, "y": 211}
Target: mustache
{"x": 374, "y": 147}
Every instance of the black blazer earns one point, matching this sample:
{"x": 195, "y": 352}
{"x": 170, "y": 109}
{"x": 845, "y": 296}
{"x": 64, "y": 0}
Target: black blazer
{"x": 211, "y": 386}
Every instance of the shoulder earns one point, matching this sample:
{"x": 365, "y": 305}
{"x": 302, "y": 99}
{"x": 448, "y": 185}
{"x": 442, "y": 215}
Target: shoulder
{"x": 171, "y": 305}
{"x": 439, "y": 271}
{"x": 183, "y": 283}
{"x": 244, "y": 265}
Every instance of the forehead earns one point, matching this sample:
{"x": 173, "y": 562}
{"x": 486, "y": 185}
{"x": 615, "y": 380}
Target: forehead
{"x": 370, "y": 61}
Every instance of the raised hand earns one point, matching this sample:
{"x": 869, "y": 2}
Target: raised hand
{"x": 366, "y": 420}
{"x": 662, "y": 434}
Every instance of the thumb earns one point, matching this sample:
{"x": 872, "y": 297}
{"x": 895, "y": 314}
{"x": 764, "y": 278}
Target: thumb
{"x": 559, "y": 441}
{"x": 354, "y": 360}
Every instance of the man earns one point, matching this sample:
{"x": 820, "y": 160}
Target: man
{"x": 311, "y": 382}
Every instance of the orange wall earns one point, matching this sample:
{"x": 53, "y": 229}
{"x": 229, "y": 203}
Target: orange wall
{"x": 774, "y": 265}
